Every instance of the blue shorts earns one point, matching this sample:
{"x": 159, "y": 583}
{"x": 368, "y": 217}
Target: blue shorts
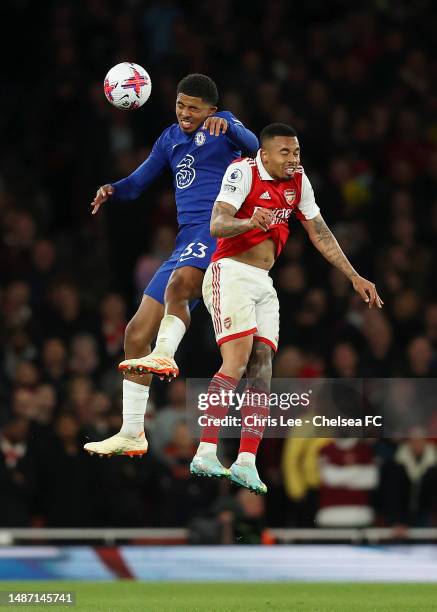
{"x": 194, "y": 247}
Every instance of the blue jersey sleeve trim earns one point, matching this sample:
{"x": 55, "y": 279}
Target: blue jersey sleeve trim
{"x": 239, "y": 135}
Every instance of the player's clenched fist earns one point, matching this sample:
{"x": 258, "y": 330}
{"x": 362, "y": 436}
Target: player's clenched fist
{"x": 103, "y": 193}
{"x": 215, "y": 125}
{"x": 261, "y": 219}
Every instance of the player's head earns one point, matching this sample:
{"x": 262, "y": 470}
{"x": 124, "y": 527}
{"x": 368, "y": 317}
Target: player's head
{"x": 196, "y": 100}
{"x": 280, "y": 152}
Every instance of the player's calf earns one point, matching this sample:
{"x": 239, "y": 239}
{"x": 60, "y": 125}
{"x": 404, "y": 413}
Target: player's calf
{"x": 254, "y": 417}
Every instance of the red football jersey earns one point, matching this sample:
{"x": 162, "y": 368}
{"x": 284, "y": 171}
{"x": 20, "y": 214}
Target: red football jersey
{"x": 247, "y": 186}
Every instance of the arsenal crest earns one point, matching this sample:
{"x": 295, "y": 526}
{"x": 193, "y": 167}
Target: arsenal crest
{"x": 227, "y": 322}
{"x": 290, "y": 196}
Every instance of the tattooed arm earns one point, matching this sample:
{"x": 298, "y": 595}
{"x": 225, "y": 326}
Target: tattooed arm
{"x": 225, "y": 225}
{"x": 325, "y": 242}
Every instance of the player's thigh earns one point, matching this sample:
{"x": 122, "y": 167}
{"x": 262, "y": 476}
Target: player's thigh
{"x": 228, "y": 298}
{"x": 267, "y": 315}
{"x": 184, "y": 283}
{"x": 158, "y": 283}
{"x": 142, "y": 329}
{"x": 235, "y": 354}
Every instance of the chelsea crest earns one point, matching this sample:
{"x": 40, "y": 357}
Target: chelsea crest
{"x": 199, "y": 139}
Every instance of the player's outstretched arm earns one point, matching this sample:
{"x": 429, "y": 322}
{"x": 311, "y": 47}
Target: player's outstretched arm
{"x": 237, "y": 133}
{"x": 225, "y": 225}
{"x": 132, "y": 186}
{"x": 324, "y": 240}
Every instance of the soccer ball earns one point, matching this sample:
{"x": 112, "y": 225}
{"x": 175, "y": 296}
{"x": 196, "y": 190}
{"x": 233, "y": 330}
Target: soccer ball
{"x": 127, "y": 86}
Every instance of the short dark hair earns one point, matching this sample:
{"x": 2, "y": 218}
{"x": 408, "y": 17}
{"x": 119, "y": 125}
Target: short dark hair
{"x": 199, "y": 86}
{"x": 276, "y": 129}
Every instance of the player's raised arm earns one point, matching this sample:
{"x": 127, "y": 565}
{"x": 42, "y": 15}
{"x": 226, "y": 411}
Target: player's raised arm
{"x": 240, "y": 136}
{"x": 224, "y": 122}
{"x": 132, "y": 186}
{"x": 325, "y": 241}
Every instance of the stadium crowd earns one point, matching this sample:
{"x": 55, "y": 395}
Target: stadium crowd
{"x": 357, "y": 86}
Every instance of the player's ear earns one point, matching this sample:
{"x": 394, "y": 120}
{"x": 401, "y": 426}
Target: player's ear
{"x": 263, "y": 153}
{"x": 212, "y": 110}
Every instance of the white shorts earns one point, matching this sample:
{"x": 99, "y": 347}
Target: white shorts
{"x": 241, "y": 300}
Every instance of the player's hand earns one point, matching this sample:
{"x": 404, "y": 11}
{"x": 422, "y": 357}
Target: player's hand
{"x": 261, "y": 219}
{"x": 103, "y": 193}
{"x": 215, "y": 125}
{"x": 367, "y": 290}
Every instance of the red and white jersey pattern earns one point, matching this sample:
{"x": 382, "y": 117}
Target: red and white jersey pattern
{"x": 247, "y": 186}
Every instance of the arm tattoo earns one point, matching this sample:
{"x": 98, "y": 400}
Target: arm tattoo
{"x": 223, "y": 222}
{"x": 326, "y": 243}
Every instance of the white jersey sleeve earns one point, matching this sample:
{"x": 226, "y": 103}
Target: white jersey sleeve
{"x": 236, "y": 184}
{"x": 307, "y": 204}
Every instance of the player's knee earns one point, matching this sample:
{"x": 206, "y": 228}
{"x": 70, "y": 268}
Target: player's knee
{"x": 136, "y": 339}
{"x": 236, "y": 356}
{"x": 182, "y": 287}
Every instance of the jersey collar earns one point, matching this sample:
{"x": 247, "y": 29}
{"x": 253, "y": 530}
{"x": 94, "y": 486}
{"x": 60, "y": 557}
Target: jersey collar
{"x": 264, "y": 175}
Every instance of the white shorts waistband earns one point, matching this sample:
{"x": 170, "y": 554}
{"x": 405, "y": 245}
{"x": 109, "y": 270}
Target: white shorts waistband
{"x": 244, "y": 266}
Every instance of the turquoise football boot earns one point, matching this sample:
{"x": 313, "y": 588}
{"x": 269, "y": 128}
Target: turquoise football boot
{"x": 208, "y": 466}
{"x": 247, "y": 476}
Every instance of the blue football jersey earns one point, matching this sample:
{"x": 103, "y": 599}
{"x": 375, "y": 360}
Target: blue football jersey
{"x": 198, "y": 162}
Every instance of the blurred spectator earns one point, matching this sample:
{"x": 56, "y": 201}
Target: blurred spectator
{"x": 348, "y": 474}
{"x": 46, "y": 400}
{"x": 233, "y": 519}
{"x": 68, "y": 478}
{"x": 169, "y": 416}
{"x": 289, "y": 363}
{"x": 420, "y": 358}
{"x": 182, "y": 495}
{"x": 345, "y": 361}
{"x": 84, "y": 359}
{"x": 43, "y": 269}
{"x": 19, "y": 347}
{"x": 16, "y": 308}
{"x": 380, "y": 355}
{"x": 54, "y": 363}
{"x": 26, "y": 375}
{"x": 17, "y": 482}
{"x": 79, "y": 397}
{"x": 67, "y": 316}
{"x": 113, "y": 312}
{"x": 410, "y": 482}
{"x": 301, "y": 473}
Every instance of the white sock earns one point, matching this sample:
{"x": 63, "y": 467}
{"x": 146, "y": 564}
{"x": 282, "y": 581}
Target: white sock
{"x": 135, "y": 398}
{"x": 206, "y": 448}
{"x": 171, "y": 332}
{"x": 246, "y": 459}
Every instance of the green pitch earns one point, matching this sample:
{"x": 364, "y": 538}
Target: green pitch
{"x": 218, "y": 596}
